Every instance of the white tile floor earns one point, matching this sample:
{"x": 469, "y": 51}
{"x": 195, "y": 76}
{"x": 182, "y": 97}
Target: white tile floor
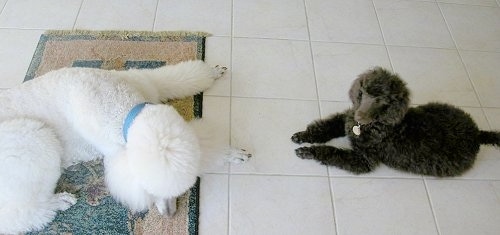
{"x": 291, "y": 62}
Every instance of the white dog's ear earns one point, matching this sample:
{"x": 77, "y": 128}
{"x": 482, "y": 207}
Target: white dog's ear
{"x": 163, "y": 152}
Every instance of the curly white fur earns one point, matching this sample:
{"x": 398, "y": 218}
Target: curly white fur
{"x": 76, "y": 114}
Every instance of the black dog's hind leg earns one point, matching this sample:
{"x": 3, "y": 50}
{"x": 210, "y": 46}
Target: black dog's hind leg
{"x": 342, "y": 158}
{"x": 322, "y": 130}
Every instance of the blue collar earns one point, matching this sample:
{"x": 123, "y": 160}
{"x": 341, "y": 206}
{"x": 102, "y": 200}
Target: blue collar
{"x": 131, "y": 116}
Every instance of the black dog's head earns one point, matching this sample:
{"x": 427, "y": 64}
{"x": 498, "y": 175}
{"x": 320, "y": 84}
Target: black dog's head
{"x": 379, "y": 96}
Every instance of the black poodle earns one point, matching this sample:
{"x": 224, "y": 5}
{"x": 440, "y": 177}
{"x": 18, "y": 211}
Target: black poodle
{"x": 433, "y": 139}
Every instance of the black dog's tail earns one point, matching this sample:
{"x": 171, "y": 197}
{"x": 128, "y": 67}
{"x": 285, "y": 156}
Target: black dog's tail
{"x": 489, "y": 137}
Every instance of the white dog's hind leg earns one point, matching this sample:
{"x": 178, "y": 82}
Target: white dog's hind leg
{"x": 173, "y": 81}
{"x": 63, "y": 201}
{"x": 30, "y": 166}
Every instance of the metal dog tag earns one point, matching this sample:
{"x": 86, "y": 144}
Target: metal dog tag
{"x": 356, "y": 129}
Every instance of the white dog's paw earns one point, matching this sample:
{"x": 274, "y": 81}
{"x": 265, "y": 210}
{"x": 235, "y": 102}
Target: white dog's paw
{"x": 237, "y": 156}
{"x": 65, "y": 200}
{"x": 171, "y": 206}
{"x": 168, "y": 206}
{"x": 219, "y": 71}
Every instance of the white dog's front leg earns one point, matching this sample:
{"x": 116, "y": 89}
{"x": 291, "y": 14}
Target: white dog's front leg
{"x": 218, "y": 71}
{"x": 174, "y": 81}
{"x": 238, "y": 156}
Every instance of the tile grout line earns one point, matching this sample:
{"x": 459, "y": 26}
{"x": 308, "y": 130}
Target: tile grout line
{"x": 329, "y": 179}
{"x": 383, "y": 36}
{"x": 324, "y": 100}
{"x": 3, "y": 7}
{"x": 429, "y": 199}
{"x": 356, "y": 176}
{"x": 229, "y": 174}
{"x": 366, "y": 44}
{"x": 476, "y": 93}
{"x": 156, "y": 15}
{"x": 77, "y": 14}
{"x": 312, "y": 58}
{"x": 332, "y": 199}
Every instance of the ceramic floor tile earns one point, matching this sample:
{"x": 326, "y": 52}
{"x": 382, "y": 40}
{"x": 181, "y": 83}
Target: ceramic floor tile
{"x": 474, "y": 27}
{"x": 329, "y": 108}
{"x": 284, "y": 19}
{"x": 17, "y": 50}
{"x": 434, "y": 75}
{"x": 382, "y": 206}
{"x": 466, "y": 207}
{"x": 344, "y": 21}
{"x": 485, "y": 75}
{"x": 272, "y": 69}
{"x": 478, "y": 116}
{"x": 216, "y": 117}
{"x": 117, "y": 15}
{"x": 39, "y": 14}
{"x": 2, "y": 4}
{"x": 265, "y": 126}
{"x": 280, "y": 205}
{"x": 413, "y": 23}
{"x": 218, "y": 52}
{"x": 338, "y": 64}
{"x": 491, "y": 3}
{"x": 213, "y": 17}
{"x": 214, "y": 197}
{"x": 486, "y": 165}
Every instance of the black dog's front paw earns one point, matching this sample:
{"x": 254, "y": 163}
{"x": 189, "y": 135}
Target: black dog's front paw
{"x": 305, "y": 153}
{"x": 299, "y": 137}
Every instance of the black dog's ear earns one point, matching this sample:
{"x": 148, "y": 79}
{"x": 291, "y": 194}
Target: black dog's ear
{"x": 396, "y": 110}
{"x": 399, "y": 100}
{"x": 355, "y": 89}
{"x": 357, "y": 84}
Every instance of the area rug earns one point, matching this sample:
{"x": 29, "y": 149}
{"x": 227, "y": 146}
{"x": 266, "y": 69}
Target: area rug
{"x": 95, "y": 211}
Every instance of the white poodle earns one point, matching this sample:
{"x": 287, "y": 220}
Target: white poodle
{"x": 151, "y": 155}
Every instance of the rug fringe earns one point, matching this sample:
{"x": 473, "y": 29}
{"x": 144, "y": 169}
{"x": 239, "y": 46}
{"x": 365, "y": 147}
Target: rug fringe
{"x": 123, "y": 34}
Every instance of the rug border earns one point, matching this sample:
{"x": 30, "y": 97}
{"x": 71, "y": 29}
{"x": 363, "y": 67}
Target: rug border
{"x": 187, "y": 36}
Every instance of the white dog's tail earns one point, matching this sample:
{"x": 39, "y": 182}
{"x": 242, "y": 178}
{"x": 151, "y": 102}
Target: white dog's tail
{"x": 160, "y": 162}
{"x": 173, "y": 81}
